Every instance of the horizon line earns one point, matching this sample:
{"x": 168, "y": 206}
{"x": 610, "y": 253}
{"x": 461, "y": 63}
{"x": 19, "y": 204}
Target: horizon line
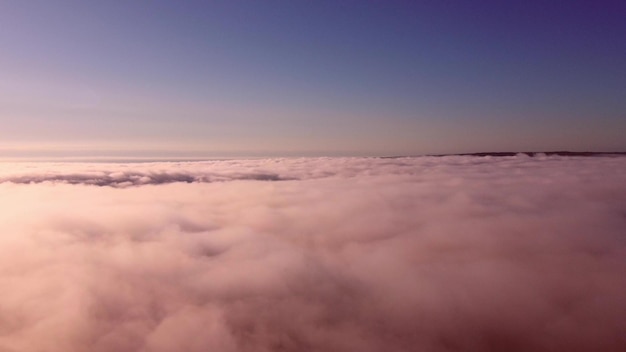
{"x": 192, "y": 158}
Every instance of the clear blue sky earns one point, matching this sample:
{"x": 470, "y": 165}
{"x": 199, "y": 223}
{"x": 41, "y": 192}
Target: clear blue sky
{"x": 311, "y": 77}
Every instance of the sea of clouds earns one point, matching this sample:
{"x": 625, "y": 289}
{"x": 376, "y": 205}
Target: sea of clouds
{"x": 434, "y": 254}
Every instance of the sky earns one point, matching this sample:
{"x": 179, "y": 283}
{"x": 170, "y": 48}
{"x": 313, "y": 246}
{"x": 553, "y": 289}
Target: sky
{"x": 291, "y": 78}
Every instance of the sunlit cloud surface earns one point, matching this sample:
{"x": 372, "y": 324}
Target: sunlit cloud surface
{"x": 315, "y": 254}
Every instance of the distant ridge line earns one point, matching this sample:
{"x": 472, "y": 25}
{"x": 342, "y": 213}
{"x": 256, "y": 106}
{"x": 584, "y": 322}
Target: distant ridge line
{"x": 531, "y": 154}
{"x": 559, "y": 153}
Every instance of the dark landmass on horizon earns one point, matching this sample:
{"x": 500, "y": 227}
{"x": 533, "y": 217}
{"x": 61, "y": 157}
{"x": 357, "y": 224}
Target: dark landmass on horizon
{"x": 559, "y": 153}
{"x": 531, "y": 154}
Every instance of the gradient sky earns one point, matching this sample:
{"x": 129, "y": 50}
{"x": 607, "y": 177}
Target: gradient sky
{"x": 209, "y": 78}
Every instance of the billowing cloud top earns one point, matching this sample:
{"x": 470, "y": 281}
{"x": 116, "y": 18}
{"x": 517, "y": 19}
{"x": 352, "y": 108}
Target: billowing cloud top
{"x": 343, "y": 254}
{"x": 121, "y": 175}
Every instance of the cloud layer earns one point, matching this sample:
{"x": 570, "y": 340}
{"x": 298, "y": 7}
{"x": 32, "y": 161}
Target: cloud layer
{"x": 347, "y": 254}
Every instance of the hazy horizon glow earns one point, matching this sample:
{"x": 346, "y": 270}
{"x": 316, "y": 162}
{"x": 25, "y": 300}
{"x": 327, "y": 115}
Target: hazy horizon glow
{"x": 310, "y": 78}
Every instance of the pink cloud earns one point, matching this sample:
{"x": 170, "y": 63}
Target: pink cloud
{"x": 432, "y": 254}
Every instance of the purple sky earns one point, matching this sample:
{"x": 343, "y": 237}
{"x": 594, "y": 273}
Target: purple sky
{"x": 227, "y": 78}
